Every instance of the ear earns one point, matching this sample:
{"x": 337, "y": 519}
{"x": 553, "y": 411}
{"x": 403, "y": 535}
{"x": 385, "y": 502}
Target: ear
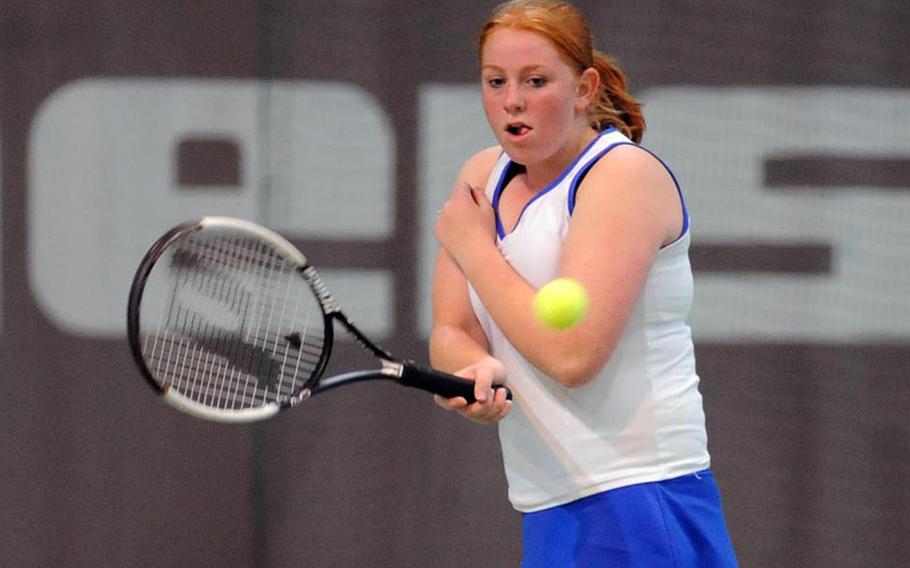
{"x": 586, "y": 90}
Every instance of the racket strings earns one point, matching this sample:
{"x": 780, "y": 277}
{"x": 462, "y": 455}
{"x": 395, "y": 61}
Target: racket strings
{"x": 237, "y": 327}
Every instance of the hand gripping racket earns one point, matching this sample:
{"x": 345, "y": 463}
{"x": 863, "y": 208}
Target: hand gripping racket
{"x": 229, "y": 322}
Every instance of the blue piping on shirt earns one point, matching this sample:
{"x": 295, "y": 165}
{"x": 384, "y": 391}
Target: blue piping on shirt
{"x": 508, "y": 173}
{"x": 573, "y": 189}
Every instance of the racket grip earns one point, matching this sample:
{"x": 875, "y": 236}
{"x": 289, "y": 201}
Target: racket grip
{"x": 443, "y": 384}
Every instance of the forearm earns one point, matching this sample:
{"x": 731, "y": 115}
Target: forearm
{"x": 565, "y": 356}
{"x": 453, "y": 348}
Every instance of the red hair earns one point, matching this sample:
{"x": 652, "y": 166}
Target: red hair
{"x": 567, "y": 29}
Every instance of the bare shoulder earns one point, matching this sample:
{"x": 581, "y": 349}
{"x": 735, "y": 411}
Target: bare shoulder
{"x": 629, "y": 162}
{"x": 477, "y": 168}
{"x": 629, "y": 185}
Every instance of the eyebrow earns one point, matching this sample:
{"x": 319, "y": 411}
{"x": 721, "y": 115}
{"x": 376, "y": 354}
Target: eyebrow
{"x": 525, "y": 69}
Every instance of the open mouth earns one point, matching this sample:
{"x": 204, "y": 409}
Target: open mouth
{"x": 518, "y": 129}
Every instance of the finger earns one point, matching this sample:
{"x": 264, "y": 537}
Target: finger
{"x": 454, "y": 403}
{"x": 466, "y": 373}
{"x": 497, "y": 411}
{"x": 483, "y": 381}
{"x": 459, "y": 190}
{"x": 486, "y": 413}
{"x": 479, "y": 196}
{"x": 464, "y": 191}
{"x": 504, "y": 409}
{"x": 475, "y": 194}
{"x": 478, "y": 412}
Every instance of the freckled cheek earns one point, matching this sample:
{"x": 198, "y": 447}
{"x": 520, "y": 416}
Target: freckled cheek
{"x": 556, "y": 111}
{"x": 491, "y": 107}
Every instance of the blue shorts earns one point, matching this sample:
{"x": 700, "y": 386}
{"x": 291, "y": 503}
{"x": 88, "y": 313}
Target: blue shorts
{"x": 677, "y": 523}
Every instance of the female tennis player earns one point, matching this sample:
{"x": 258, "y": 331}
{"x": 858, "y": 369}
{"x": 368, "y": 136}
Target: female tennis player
{"x": 604, "y": 446}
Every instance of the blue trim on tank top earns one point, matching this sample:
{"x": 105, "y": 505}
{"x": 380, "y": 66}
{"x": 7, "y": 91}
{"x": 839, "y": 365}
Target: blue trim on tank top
{"x": 573, "y": 189}
{"x": 500, "y": 185}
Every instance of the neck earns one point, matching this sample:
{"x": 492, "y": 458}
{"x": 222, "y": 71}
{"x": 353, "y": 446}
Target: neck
{"x": 542, "y": 174}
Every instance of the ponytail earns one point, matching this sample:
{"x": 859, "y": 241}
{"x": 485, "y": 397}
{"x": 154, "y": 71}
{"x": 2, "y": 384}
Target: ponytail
{"x": 614, "y": 106}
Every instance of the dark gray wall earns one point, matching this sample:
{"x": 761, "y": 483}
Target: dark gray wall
{"x": 808, "y": 431}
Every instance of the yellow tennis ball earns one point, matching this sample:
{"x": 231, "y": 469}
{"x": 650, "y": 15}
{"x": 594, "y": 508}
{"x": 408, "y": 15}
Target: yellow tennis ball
{"x": 561, "y": 303}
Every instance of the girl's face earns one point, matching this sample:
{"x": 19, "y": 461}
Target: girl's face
{"x": 533, "y": 99}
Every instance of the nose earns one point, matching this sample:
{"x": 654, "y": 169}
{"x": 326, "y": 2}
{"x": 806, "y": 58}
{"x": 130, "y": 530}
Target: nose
{"x": 514, "y": 100}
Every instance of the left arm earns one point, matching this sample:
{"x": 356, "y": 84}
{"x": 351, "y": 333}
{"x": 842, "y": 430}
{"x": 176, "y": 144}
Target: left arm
{"x": 626, "y": 209}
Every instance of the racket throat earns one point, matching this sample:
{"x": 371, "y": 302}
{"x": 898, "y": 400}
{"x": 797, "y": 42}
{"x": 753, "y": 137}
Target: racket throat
{"x": 389, "y": 370}
{"x": 392, "y": 369}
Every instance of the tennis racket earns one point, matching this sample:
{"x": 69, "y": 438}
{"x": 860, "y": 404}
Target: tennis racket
{"x": 227, "y": 321}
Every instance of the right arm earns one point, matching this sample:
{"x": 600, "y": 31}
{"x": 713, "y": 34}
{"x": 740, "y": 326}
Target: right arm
{"x": 458, "y": 343}
{"x": 457, "y": 340}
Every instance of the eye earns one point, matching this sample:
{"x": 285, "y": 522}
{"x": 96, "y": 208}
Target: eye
{"x": 495, "y": 82}
{"x": 537, "y": 81}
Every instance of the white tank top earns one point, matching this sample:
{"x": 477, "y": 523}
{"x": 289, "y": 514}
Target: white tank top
{"x": 640, "y": 419}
